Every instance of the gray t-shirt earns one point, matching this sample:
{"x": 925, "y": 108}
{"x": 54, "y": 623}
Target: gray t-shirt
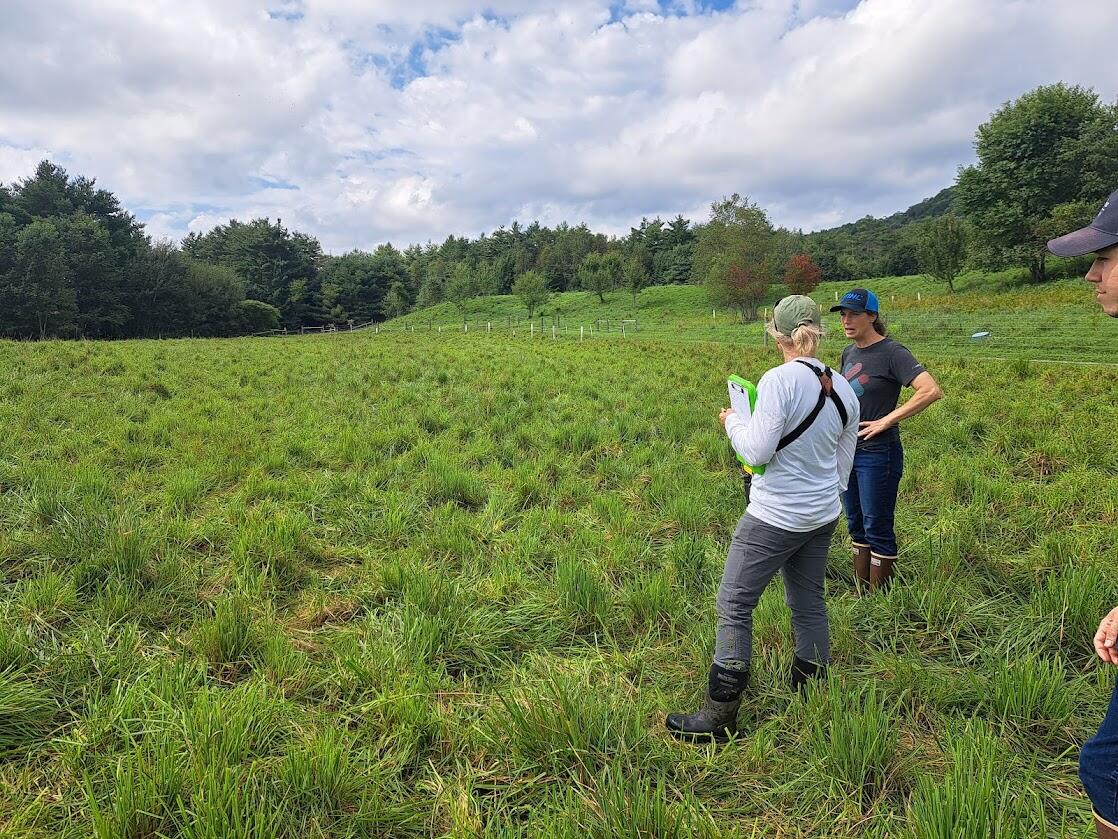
{"x": 877, "y": 373}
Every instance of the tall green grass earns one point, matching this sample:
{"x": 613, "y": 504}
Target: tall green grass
{"x": 389, "y": 585}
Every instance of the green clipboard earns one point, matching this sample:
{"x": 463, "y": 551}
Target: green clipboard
{"x": 743, "y": 399}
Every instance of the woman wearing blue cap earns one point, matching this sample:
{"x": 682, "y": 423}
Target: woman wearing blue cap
{"x": 877, "y": 367}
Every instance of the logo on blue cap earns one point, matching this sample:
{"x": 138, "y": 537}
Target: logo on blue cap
{"x": 858, "y": 300}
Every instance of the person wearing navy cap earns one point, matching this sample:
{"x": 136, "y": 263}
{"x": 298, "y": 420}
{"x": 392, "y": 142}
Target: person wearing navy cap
{"x": 1100, "y": 237}
{"x": 1098, "y": 759}
{"x": 877, "y": 367}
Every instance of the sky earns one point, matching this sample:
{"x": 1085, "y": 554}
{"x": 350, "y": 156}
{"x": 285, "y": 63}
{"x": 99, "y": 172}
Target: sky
{"x": 366, "y": 121}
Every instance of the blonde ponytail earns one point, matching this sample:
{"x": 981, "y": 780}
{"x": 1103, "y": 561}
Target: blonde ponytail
{"x": 805, "y": 339}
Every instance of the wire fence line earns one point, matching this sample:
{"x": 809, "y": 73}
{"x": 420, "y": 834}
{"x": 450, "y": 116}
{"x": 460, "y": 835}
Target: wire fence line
{"x": 1063, "y": 338}
{"x": 315, "y": 330}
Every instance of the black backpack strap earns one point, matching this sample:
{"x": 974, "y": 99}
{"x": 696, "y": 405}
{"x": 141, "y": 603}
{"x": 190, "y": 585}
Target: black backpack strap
{"x": 826, "y": 390}
{"x": 845, "y": 417}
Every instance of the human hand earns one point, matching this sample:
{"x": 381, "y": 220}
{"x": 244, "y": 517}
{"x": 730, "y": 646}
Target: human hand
{"x": 871, "y": 428}
{"x": 1106, "y": 639}
{"x": 725, "y": 414}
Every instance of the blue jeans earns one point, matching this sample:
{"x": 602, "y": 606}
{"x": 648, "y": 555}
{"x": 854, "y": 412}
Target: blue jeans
{"x": 871, "y": 498}
{"x": 1098, "y": 764}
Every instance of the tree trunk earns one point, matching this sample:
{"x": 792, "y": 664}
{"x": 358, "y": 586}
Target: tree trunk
{"x": 1037, "y": 268}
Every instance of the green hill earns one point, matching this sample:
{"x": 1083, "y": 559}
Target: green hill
{"x": 1056, "y": 321}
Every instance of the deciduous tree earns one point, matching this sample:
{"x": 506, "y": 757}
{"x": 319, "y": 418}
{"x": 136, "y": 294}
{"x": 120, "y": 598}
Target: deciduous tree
{"x": 801, "y": 274}
{"x": 600, "y": 272}
{"x": 1052, "y": 146}
{"x": 942, "y": 249}
{"x": 531, "y": 288}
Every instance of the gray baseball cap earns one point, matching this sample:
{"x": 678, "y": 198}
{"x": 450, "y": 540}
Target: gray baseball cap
{"x": 796, "y": 310}
{"x": 1099, "y": 234}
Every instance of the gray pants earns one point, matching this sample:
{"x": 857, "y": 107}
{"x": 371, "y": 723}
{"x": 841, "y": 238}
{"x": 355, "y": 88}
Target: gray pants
{"x": 757, "y": 552}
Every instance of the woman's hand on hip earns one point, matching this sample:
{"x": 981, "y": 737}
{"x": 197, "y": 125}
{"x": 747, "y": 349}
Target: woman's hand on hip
{"x": 725, "y": 414}
{"x": 1106, "y": 639}
{"x": 871, "y": 428}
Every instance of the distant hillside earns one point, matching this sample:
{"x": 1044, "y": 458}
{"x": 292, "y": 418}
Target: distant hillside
{"x": 1020, "y": 319}
{"x": 874, "y": 247}
{"x": 937, "y": 205}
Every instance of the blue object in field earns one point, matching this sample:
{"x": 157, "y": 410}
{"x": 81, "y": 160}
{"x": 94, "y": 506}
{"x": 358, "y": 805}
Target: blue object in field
{"x": 978, "y": 336}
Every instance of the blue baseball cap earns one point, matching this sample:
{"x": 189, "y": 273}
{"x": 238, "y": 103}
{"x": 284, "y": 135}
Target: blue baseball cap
{"x": 1096, "y": 236}
{"x": 858, "y": 300}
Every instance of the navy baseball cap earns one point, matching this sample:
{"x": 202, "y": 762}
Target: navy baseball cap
{"x": 858, "y": 300}
{"x": 1099, "y": 234}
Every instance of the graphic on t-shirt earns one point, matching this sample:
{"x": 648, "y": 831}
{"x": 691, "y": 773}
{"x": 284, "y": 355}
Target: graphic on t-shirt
{"x": 857, "y": 383}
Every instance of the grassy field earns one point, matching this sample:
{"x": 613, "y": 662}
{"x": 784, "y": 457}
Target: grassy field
{"x": 1058, "y": 321}
{"x": 385, "y": 585}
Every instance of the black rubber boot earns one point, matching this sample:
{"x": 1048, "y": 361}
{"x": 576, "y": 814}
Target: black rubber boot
{"x": 717, "y": 720}
{"x": 804, "y": 671}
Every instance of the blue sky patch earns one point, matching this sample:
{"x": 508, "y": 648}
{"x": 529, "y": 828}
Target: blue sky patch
{"x": 146, "y": 213}
{"x": 268, "y": 183}
{"x": 289, "y": 15}
{"x": 405, "y": 67}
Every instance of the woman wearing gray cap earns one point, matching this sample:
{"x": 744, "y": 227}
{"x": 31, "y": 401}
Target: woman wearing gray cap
{"x": 877, "y": 368}
{"x": 803, "y": 429}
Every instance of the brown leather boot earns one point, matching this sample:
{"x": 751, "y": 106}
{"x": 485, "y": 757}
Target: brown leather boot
{"x": 881, "y": 570}
{"x": 1105, "y": 829}
{"x": 861, "y": 568}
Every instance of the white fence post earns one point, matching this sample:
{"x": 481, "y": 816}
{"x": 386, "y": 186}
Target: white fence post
{"x": 532, "y": 329}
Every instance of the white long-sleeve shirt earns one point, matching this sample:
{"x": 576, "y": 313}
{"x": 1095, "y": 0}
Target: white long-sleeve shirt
{"x": 800, "y": 488}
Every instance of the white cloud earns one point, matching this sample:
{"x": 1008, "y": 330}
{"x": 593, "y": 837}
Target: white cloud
{"x": 17, "y": 163}
{"x": 413, "y": 121}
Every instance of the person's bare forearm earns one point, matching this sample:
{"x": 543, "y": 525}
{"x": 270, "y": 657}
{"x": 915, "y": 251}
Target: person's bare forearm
{"x": 919, "y": 401}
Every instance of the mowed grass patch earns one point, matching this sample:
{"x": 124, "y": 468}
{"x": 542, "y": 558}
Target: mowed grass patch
{"x": 408, "y": 586}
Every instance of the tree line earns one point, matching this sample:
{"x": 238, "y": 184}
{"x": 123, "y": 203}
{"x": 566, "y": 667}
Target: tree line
{"x": 74, "y": 263}
{"x": 1044, "y": 164}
